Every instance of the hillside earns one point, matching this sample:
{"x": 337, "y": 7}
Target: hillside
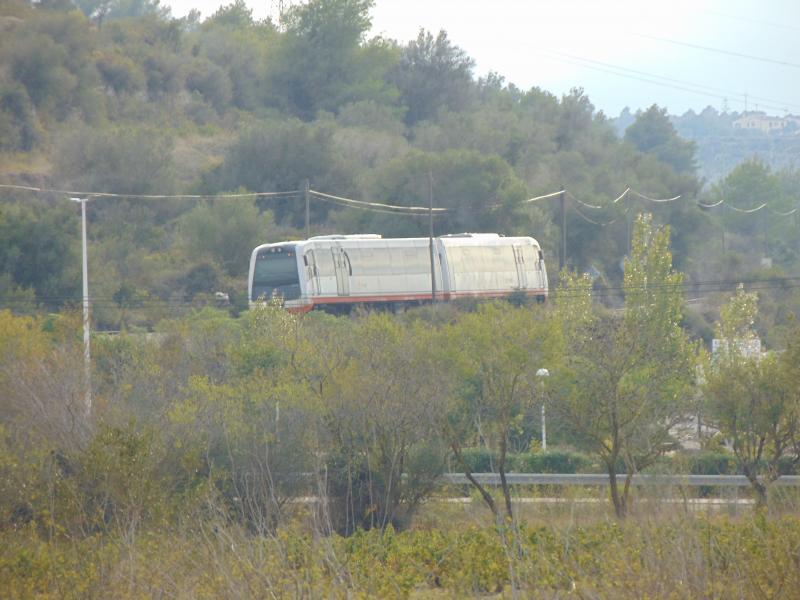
{"x": 141, "y": 104}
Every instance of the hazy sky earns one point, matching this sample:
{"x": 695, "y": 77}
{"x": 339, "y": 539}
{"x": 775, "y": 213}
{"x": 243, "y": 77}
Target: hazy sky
{"x": 560, "y": 44}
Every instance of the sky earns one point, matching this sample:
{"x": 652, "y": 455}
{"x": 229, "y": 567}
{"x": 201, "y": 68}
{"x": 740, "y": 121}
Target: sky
{"x": 680, "y": 54}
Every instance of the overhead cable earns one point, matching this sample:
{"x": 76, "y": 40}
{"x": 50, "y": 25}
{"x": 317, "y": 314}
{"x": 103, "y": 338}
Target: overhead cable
{"x": 644, "y": 197}
{"x": 782, "y": 214}
{"x": 374, "y": 209}
{"x": 773, "y": 61}
{"x": 622, "y": 195}
{"x": 701, "y": 205}
{"x": 643, "y": 79}
{"x": 747, "y": 210}
{"x": 582, "y": 203}
{"x": 537, "y": 198}
{"x": 770, "y": 102}
{"x": 146, "y": 196}
{"x": 600, "y": 223}
{"x": 377, "y": 205}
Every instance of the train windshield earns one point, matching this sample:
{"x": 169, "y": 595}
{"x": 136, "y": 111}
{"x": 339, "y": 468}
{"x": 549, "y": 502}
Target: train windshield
{"x": 275, "y": 274}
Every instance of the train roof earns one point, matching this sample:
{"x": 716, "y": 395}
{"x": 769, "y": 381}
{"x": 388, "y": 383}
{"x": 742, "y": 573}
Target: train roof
{"x": 450, "y": 239}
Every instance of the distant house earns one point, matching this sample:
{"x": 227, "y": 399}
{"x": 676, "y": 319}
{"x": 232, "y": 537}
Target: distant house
{"x": 745, "y": 347}
{"x": 760, "y": 121}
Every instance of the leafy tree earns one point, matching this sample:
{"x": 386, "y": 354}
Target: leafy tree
{"x": 37, "y": 63}
{"x": 241, "y": 47}
{"x": 120, "y": 73}
{"x": 749, "y": 185}
{"x": 119, "y": 160}
{"x": 212, "y": 83}
{"x": 433, "y": 74}
{"x": 37, "y": 249}
{"x": 653, "y": 133}
{"x": 481, "y": 192}
{"x": 322, "y": 64}
{"x": 626, "y": 380}
{"x": 498, "y": 351}
{"x": 279, "y": 157}
{"x": 19, "y": 126}
{"x": 385, "y": 453}
{"x": 235, "y": 15}
{"x": 753, "y": 400}
{"x": 226, "y": 230}
{"x": 108, "y": 10}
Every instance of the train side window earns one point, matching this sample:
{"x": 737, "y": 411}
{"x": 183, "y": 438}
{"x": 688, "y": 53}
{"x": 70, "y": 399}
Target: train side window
{"x": 541, "y": 255}
{"x": 305, "y": 260}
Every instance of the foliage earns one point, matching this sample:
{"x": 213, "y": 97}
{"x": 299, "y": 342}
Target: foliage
{"x": 752, "y": 399}
{"x": 226, "y": 230}
{"x": 433, "y": 75}
{"x": 626, "y": 381}
{"x": 135, "y": 161}
{"x": 278, "y": 158}
{"x": 37, "y": 251}
{"x": 499, "y": 349}
{"x": 653, "y": 133}
{"x": 323, "y": 63}
{"x": 690, "y": 557}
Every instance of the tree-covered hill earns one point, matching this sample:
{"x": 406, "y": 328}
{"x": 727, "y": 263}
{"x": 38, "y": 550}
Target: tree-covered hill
{"x": 115, "y": 97}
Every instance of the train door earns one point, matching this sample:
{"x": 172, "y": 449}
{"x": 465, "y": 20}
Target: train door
{"x": 519, "y": 261}
{"x": 341, "y": 266}
{"x": 312, "y": 273}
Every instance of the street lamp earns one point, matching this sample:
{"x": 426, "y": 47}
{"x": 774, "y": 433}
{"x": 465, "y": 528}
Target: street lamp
{"x": 541, "y": 374}
{"x": 87, "y": 359}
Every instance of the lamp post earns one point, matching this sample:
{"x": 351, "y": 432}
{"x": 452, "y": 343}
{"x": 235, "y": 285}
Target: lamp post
{"x": 541, "y": 374}
{"x": 87, "y": 358}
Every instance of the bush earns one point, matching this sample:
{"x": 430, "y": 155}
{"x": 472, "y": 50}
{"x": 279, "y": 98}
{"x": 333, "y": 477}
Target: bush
{"x": 552, "y": 462}
{"x": 712, "y": 463}
{"x": 479, "y": 460}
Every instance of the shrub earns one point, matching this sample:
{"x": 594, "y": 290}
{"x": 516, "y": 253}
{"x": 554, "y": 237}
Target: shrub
{"x": 552, "y": 462}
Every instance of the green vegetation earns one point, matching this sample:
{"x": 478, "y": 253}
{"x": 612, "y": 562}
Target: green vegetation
{"x": 235, "y": 452}
{"x": 121, "y": 98}
{"x": 286, "y": 455}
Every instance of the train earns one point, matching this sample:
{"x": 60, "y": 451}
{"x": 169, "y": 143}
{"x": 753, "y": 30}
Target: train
{"x": 337, "y": 272}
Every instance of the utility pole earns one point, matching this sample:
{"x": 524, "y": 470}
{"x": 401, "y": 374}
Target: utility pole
{"x": 628, "y": 228}
{"x": 307, "y": 197}
{"x": 541, "y": 374}
{"x": 563, "y": 257}
{"x": 722, "y": 222}
{"x": 430, "y": 236}
{"x": 87, "y": 357}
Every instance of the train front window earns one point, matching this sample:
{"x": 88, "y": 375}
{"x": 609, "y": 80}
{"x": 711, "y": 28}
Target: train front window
{"x": 275, "y": 274}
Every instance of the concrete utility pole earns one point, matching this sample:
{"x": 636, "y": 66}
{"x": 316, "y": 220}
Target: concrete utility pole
{"x": 87, "y": 357}
{"x": 563, "y": 257}
{"x": 541, "y": 374}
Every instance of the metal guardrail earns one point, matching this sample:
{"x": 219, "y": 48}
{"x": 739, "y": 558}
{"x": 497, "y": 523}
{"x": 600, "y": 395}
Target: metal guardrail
{"x": 602, "y": 479}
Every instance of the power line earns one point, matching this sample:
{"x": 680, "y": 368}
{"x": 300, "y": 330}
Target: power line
{"x": 658, "y": 200}
{"x": 753, "y": 21}
{"x": 378, "y": 205}
{"x": 537, "y": 198}
{"x": 600, "y": 223}
{"x": 655, "y": 82}
{"x": 341, "y": 201}
{"x": 699, "y": 86}
{"x": 146, "y": 196}
{"x": 773, "y": 61}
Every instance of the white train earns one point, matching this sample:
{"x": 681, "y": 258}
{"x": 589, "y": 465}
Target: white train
{"x": 335, "y": 272}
